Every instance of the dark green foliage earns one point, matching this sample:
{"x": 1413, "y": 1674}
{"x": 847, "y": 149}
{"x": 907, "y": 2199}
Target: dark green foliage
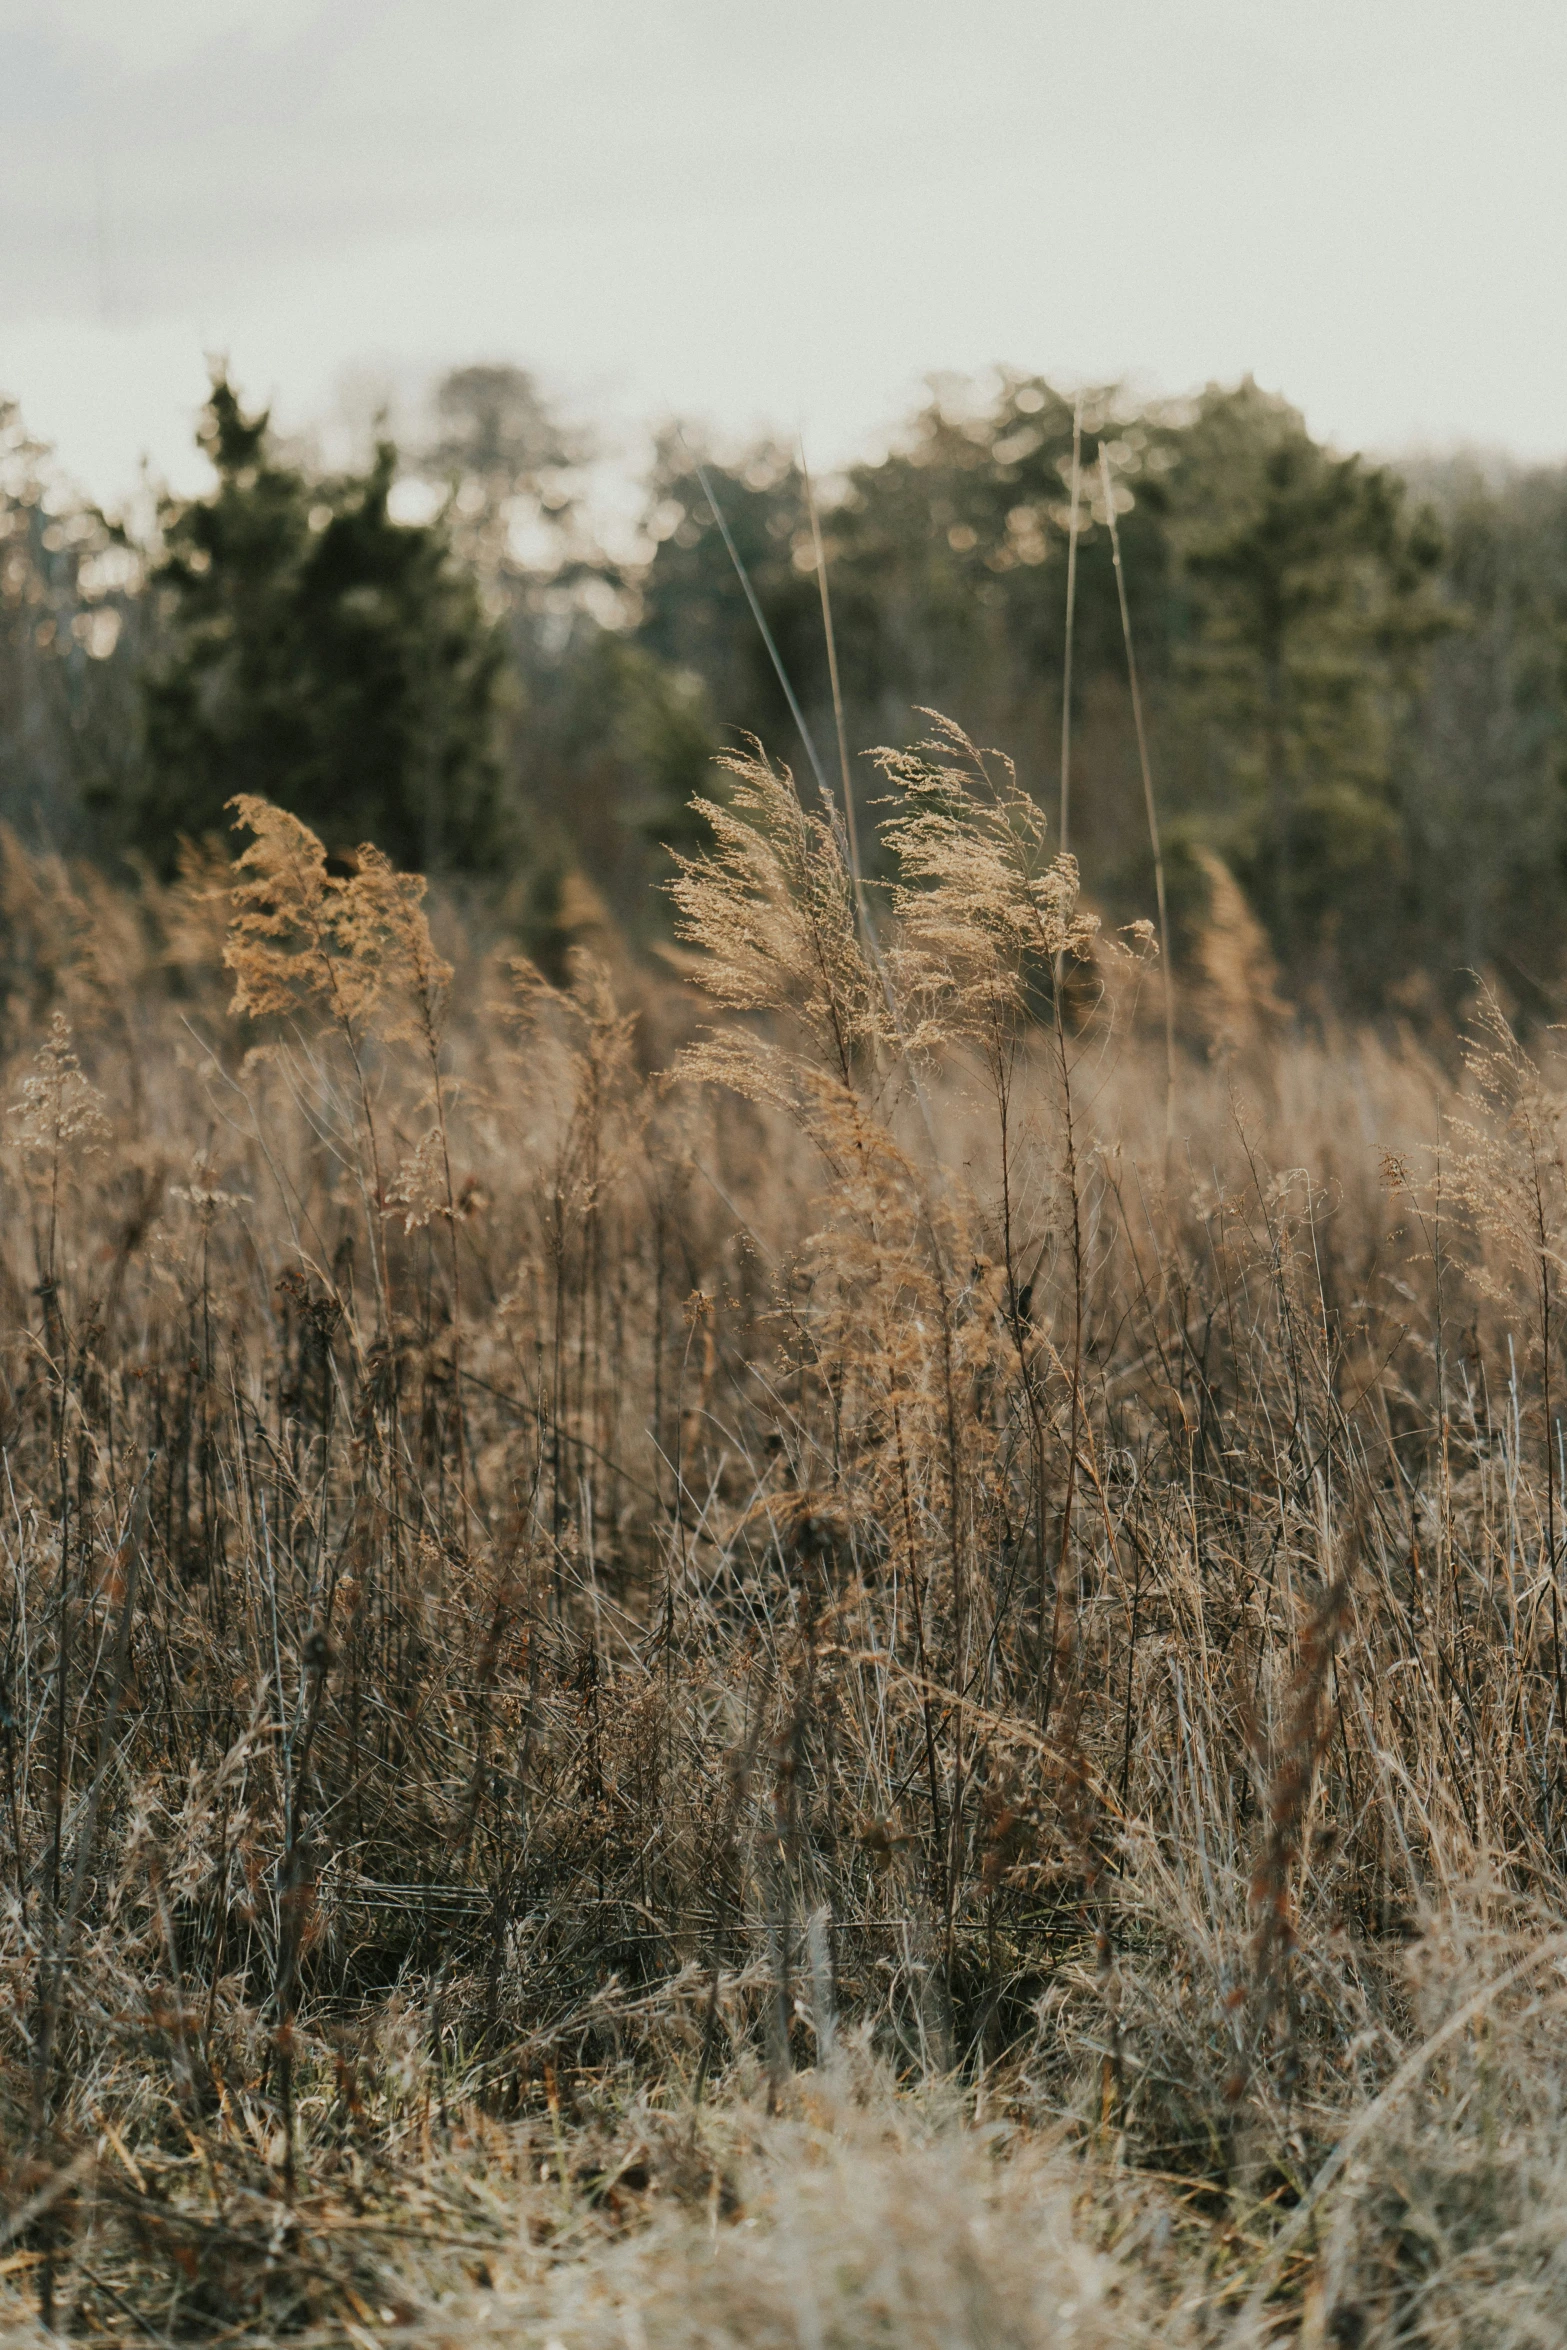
{"x": 612, "y": 747}
{"x": 1486, "y": 790}
{"x": 694, "y": 612}
{"x": 1282, "y": 601}
{"x": 966, "y": 529}
{"x": 946, "y": 581}
{"x": 323, "y": 655}
{"x": 1308, "y": 599}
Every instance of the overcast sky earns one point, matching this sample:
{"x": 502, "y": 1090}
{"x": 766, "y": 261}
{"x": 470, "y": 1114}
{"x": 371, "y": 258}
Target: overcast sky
{"x": 784, "y": 213}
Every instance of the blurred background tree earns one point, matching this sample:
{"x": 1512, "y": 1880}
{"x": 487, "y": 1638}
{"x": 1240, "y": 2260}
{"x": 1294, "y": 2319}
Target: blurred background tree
{"x": 1305, "y": 597}
{"x": 316, "y": 651}
{"x": 74, "y": 634}
{"x": 512, "y": 467}
{"x": 1484, "y": 761}
{"x": 1355, "y": 675}
{"x": 605, "y": 744}
{"x": 1284, "y": 604}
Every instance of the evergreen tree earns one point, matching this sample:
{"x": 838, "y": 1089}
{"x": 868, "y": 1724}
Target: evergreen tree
{"x": 322, "y": 654}
{"x": 1304, "y": 594}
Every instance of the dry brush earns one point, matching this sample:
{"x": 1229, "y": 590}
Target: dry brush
{"x": 630, "y": 1611}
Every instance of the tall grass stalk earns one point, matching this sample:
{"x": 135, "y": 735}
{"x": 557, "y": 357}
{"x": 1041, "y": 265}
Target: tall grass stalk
{"x": 1071, "y": 625}
{"x": 1166, "y": 962}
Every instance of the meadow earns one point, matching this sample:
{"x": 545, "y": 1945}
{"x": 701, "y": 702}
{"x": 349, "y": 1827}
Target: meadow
{"x": 782, "y": 1645}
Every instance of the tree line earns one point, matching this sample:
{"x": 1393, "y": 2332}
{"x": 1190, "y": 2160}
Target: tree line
{"x": 1355, "y": 676}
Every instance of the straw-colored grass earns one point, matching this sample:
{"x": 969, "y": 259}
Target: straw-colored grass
{"x": 733, "y": 1662}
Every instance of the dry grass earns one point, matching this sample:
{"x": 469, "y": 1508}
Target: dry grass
{"x": 730, "y": 1664}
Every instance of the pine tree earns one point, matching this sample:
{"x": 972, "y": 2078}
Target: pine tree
{"x": 320, "y": 654}
{"x": 1307, "y": 595}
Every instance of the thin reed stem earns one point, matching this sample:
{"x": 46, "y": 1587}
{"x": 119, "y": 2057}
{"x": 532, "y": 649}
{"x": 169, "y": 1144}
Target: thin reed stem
{"x": 1071, "y": 628}
{"x": 1167, "y": 965}
{"x": 851, "y": 821}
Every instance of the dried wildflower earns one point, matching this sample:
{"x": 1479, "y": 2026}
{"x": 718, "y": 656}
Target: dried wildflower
{"x": 977, "y": 895}
{"x": 282, "y": 945}
{"x": 382, "y": 926}
{"x": 58, "y": 1108}
{"x": 771, "y": 906}
{"x": 418, "y": 1187}
{"x": 1238, "y": 1001}
{"x": 1308, "y": 1725}
{"x": 203, "y": 1194}
{"x": 299, "y": 934}
{"x": 1513, "y": 1170}
{"x": 355, "y": 946}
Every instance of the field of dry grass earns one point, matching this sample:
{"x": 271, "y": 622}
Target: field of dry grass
{"x": 746, "y": 1657}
